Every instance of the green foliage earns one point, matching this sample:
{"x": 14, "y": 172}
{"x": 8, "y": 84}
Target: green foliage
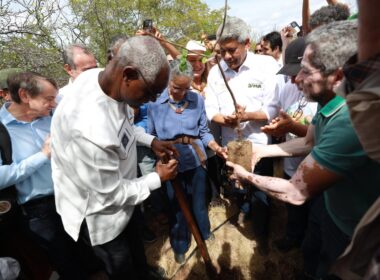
{"x": 183, "y": 61}
{"x": 177, "y": 20}
{"x": 28, "y": 53}
{"x": 207, "y": 55}
{"x": 37, "y": 43}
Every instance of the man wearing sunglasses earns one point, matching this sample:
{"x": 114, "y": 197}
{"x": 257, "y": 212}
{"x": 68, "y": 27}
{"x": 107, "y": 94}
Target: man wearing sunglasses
{"x": 94, "y": 155}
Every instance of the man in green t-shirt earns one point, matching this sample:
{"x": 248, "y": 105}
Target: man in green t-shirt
{"x": 335, "y": 164}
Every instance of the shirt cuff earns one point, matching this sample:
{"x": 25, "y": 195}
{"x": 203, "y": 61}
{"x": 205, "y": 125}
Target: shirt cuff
{"x": 153, "y": 181}
{"x": 145, "y": 139}
{"x": 206, "y": 139}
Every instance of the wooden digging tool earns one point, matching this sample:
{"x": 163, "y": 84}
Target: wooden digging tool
{"x": 191, "y": 223}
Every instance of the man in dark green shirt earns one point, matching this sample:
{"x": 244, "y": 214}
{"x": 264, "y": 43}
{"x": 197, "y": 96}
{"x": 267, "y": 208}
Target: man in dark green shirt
{"x": 335, "y": 164}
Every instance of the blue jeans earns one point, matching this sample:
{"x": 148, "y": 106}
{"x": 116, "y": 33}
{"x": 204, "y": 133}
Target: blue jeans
{"x": 194, "y": 186}
{"x": 45, "y": 225}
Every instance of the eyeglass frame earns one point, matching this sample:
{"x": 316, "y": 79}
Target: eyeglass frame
{"x": 150, "y": 91}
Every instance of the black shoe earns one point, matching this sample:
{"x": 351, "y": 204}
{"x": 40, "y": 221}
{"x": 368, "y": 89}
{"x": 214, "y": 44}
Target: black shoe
{"x": 148, "y": 236}
{"x": 286, "y": 244}
{"x": 180, "y": 258}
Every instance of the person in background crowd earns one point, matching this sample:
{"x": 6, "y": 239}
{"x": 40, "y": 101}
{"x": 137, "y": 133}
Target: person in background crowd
{"x": 4, "y": 91}
{"x": 114, "y": 47}
{"x": 271, "y": 44}
{"x": 334, "y": 11}
{"x": 258, "y": 48}
{"x": 77, "y": 58}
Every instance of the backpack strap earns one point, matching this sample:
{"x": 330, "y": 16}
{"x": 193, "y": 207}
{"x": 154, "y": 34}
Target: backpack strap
{"x": 5, "y": 145}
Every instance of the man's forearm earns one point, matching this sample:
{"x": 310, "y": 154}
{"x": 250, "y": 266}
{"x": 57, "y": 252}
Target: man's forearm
{"x": 369, "y": 29}
{"x": 277, "y": 187}
{"x": 298, "y": 129}
{"x": 221, "y": 120}
{"x": 255, "y": 116}
{"x": 305, "y": 17}
{"x": 295, "y": 147}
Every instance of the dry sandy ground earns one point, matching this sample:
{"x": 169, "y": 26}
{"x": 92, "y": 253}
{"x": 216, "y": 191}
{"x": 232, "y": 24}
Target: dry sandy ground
{"x": 232, "y": 252}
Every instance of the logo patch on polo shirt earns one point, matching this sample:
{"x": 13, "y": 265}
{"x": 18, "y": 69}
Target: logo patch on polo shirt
{"x": 254, "y": 85}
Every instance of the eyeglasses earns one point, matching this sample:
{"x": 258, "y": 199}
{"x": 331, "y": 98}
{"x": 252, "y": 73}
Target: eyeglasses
{"x": 308, "y": 72}
{"x": 299, "y": 111}
{"x": 148, "y": 88}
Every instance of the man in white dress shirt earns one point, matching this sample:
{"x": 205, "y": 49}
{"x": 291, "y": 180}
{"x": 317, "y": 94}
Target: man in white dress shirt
{"x": 253, "y": 81}
{"x": 94, "y": 155}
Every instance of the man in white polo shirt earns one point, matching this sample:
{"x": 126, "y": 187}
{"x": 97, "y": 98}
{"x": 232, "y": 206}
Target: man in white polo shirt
{"x": 253, "y": 81}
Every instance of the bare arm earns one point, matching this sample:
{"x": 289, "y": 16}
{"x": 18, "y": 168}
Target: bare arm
{"x": 369, "y": 29}
{"x": 229, "y": 121}
{"x": 221, "y": 152}
{"x": 310, "y": 179}
{"x": 172, "y": 50}
{"x": 254, "y": 116}
{"x": 305, "y": 17}
{"x": 296, "y": 147}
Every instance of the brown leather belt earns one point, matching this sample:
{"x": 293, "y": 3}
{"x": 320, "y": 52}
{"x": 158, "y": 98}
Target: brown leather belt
{"x": 191, "y": 140}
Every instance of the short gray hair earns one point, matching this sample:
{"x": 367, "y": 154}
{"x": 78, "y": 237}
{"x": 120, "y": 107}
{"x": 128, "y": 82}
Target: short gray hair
{"x": 68, "y": 53}
{"x": 333, "y": 44}
{"x": 175, "y": 70}
{"x": 235, "y": 29}
{"x": 143, "y": 53}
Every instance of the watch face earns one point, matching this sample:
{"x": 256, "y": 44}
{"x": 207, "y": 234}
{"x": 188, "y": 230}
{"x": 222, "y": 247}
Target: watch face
{"x": 5, "y": 206}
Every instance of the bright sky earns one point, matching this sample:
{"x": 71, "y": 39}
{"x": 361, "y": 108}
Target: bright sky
{"x": 267, "y": 15}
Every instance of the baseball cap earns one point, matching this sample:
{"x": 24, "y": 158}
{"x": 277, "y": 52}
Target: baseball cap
{"x": 4, "y": 74}
{"x": 293, "y": 57}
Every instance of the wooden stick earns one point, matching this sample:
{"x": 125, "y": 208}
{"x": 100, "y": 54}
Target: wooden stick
{"x": 190, "y": 220}
{"x": 182, "y": 202}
